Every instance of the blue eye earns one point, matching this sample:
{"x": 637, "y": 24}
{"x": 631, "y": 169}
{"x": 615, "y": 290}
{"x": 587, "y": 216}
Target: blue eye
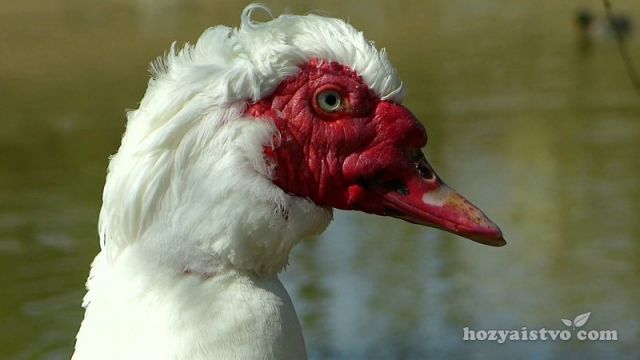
{"x": 330, "y": 101}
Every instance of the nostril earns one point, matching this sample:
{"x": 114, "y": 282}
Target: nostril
{"x": 425, "y": 170}
{"x": 423, "y": 167}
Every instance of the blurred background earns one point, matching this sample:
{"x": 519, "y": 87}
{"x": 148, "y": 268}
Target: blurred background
{"x": 530, "y": 115}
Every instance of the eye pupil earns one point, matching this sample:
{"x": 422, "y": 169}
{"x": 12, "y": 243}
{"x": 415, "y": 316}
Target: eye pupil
{"x": 330, "y": 101}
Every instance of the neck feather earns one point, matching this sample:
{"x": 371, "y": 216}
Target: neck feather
{"x": 203, "y": 201}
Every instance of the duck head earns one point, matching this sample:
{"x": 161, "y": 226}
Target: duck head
{"x": 342, "y": 146}
{"x": 245, "y": 141}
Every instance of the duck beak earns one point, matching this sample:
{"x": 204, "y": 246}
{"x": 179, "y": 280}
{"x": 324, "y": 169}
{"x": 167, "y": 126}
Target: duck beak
{"x": 421, "y": 197}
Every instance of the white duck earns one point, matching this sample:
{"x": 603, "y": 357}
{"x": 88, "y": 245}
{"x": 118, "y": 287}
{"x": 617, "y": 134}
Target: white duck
{"x": 242, "y": 145}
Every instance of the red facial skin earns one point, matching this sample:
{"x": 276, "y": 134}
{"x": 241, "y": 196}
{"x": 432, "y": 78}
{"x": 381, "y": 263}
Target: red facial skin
{"x": 355, "y": 158}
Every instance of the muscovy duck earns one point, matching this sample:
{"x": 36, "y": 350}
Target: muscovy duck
{"x": 242, "y": 145}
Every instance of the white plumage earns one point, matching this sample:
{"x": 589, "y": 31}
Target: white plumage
{"x": 193, "y": 231}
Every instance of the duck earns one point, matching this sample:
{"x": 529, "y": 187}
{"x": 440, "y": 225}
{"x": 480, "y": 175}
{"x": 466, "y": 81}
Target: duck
{"x": 242, "y": 145}
{"x": 611, "y": 26}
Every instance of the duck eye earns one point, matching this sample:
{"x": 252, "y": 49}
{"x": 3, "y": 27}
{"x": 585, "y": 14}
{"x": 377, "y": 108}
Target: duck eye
{"x": 330, "y": 101}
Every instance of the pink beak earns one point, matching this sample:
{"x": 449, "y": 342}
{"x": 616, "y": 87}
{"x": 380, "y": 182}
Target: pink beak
{"x": 421, "y": 197}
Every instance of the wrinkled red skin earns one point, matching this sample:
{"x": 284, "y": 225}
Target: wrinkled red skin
{"x": 329, "y": 158}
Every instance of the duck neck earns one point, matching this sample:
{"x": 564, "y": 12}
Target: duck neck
{"x": 208, "y": 205}
{"x": 155, "y": 312}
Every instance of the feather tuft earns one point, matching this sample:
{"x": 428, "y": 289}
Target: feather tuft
{"x": 190, "y": 123}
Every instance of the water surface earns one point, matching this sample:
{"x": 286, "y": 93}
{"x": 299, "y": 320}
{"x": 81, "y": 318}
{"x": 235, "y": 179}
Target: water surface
{"x": 538, "y": 129}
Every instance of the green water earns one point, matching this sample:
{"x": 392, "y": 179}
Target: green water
{"x": 538, "y": 130}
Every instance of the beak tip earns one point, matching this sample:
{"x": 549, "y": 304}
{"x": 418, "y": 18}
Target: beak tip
{"x": 500, "y": 242}
{"x": 493, "y": 238}
{"x": 494, "y": 241}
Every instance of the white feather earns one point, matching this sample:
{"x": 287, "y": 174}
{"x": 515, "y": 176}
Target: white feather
{"x": 193, "y": 231}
